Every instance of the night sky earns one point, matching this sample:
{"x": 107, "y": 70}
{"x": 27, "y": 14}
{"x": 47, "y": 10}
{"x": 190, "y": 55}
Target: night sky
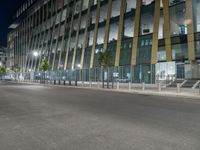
{"x": 7, "y": 10}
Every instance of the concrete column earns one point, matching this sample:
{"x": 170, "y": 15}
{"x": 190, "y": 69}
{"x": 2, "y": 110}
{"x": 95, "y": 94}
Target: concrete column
{"x": 53, "y": 31}
{"x": 44, "y": 34}
{"x": 136, "y": 32}
{"x": 120, "y": 32}
{"x": 85, "y": 39}
{"x": 154, "y": 49}
{"x": 69, "y": 35}
{"x": 166, "y": 30}
{"x": 190, "y": 29}
{"x": 63, "y": 37}
{"x": 95, "y": 33}
{"x": 77, "y": 35}
{"x": 107, "y": 27}
{"x": 56, "y": 48}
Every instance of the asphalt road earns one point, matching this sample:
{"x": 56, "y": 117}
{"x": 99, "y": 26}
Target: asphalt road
{"x": 53, "y": 118}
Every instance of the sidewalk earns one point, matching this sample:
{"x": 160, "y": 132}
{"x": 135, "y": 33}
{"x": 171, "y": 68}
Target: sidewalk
{"x": 147, "y": 89}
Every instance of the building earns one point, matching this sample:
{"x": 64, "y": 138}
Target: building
{"x": 10, "y": 50}
{"x": 148, "y": 39}
{"x": 3, "y": 56}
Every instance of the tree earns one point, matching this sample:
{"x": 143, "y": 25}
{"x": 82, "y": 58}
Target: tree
{"x": 44, "y": 66}
{"x": 105, "y": 61}
{"x": 2, "y": 72}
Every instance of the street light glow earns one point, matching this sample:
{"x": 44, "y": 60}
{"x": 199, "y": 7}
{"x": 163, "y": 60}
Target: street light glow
{"x": 79, "y": 65}
{"x": 35, "y": 53}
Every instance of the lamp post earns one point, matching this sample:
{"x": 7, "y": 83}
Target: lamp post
{"x": 35, "y": 54}
{"x": 78, "y": 67}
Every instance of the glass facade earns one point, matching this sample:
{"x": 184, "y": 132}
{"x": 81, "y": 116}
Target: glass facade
{"x": 66, "y": 31}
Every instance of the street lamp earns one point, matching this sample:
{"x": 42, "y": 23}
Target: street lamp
{"x": 78, "y": 66}
{"x": 35, "y": 53}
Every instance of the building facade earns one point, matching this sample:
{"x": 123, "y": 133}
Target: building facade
{"x": 148, "y": 39}
{"x": 3, "y": 56}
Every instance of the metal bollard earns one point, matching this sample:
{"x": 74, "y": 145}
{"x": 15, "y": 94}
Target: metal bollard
{"x": 64, "y": 82}
{"x": 143, "y": 86}
{"x": 70, "y": 82}
{"x": 129, "y": 86}
{"x": 199, "y": 88}
{"x": 98, "y": 85}
{"x": 90, "y": 84}
{"x": 59, "y": 82}
{"x": 76, "y": 82}
{"x": 54, "y": 82}
{"x": 178, "y": 89}
{"x": 117, "y": 85}
{"x": 159, "y": 87}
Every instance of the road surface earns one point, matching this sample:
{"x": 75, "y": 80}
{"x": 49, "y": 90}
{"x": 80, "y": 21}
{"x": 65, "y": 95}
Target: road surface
{"x": 34, "y": 117}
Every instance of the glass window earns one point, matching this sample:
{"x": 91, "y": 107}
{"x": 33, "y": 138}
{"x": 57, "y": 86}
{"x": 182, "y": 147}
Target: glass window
{"x": 196, "y": 12}
{"x": 147, "y": 17}
{"x": 177, "y": 20}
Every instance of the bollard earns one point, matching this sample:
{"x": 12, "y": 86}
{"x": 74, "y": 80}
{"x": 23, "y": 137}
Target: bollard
{"x": 59, "y": 82}
{"x": 129, "y": 86}
{"x": 64, "y": 82}
{"x": 143, "y": 86}
{"x": 82, "y": 83}
{"x": 54, "y": 82}
{"x": 90, "y": 84}
{"x": 70, "y": 82}
{"x": 159, "y": 87}
{"x": 178, "y": 89}
{"x": 117, "y": 85}
{"x": 98, "y": 84}
{"x": 199, "y": 88}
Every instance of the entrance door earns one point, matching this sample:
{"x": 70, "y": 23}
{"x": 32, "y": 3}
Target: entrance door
{"x": 180, "y": 71}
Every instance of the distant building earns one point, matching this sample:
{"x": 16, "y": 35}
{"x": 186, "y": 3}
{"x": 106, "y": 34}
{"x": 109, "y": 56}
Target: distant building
{"x": 3, "y": 56}
{"x": 10, "y": 49}
{"x": 148, "y": 39}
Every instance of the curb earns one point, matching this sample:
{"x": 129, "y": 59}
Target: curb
{"x": 150, "y": 93}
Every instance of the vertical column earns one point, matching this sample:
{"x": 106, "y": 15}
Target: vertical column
{"x": 45, "y": 21}
{"x": 85, "y": 38}
{"x": 69, "y": 35}
{"x": 107, "y": 28}
{"x": 56, "y": 48}
{"x": 120, "y": 32}
{"x": 190, "y": 28}
{"x": 166, "y": 30}
{"x": 154, "y": 49}
{"x": 31, "y": 40}
{"x": 95, "y": 33}
{"x": 52, "y": 35}
{"x": 37, "y": 37}
{"x": 49, "y": 30}
{"x": 77, "y": 34}
{"x": 19, "y": 45}
{"x": 136, "y": 32}
{"x": 26, "y": 46}
{"x": 63, "y": 37}
{"x": 40, "y": 34}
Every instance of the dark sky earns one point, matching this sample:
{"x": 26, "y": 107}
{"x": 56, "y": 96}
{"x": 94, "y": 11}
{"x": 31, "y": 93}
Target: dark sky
{"x": 7, "y": 9}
